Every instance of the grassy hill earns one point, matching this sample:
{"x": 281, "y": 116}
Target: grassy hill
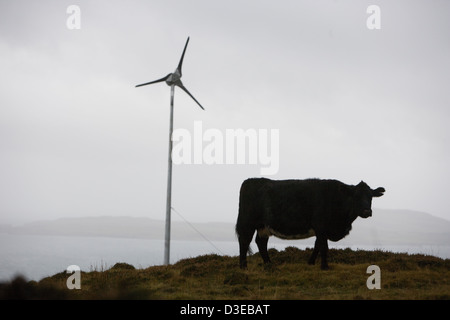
{"x": 403, "y": 276}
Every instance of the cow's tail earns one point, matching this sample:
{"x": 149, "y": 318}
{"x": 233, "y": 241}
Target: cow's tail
{"x": 244, "y": 226}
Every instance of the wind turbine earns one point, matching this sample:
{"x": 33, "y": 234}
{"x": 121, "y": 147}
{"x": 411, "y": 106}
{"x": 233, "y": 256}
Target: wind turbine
{"x": 172, "y": 80}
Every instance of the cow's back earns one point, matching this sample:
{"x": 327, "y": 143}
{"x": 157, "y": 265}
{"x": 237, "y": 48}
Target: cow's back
{"x": 296, "y": 206}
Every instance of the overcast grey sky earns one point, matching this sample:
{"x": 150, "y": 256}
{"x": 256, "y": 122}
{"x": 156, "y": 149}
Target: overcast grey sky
{"x": 78, "y": 139}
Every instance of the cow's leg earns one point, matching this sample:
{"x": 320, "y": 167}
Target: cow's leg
{"x": 244, "y": 242}
{"x": 324, "y": 255}
{"x": 312, "y": 259}
{"x": 321, "y": 245}
{"x": 261, "y": 241}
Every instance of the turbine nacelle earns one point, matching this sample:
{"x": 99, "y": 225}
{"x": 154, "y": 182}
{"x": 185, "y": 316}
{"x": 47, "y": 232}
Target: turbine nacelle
{"x": 174, "y": 79}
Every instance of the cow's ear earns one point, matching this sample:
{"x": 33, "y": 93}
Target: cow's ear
{"x": 378, "y": 192}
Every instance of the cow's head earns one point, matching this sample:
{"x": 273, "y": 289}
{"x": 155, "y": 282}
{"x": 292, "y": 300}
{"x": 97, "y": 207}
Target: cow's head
{"x": 362, "y": 199}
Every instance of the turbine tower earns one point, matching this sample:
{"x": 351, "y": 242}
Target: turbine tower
{"x": 172, "y": 80}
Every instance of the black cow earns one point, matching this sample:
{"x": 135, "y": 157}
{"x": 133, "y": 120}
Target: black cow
{"x": 299, "y": 209}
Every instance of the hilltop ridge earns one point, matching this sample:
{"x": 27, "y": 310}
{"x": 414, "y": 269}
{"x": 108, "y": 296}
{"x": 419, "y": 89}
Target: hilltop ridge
{"x": 219, "y": 277}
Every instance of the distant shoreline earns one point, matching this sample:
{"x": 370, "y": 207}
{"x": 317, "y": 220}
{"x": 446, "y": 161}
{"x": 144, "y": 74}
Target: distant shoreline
{"x": 386, "y": 227}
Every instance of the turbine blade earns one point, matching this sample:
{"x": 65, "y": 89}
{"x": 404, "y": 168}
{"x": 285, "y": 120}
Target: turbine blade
{"x": 186, "y": 90}
{"x": 180, "y": 64}
{"x": 151, "y": 82}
